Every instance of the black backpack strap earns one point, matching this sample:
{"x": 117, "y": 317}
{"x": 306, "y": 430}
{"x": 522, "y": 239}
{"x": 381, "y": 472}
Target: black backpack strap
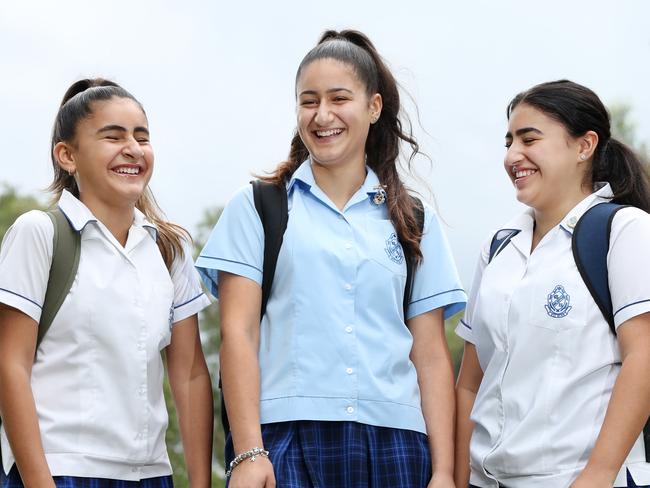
{"x": 418, "y": 211}
{"x": 65, "y": 262}
{"x": 590, "y": 245}
{"x": 500, "y": 240}
{"x": 271, "y": 205}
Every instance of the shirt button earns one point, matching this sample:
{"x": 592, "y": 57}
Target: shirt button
{"x": 350, "y": 409}
{"x": 349, "y": 371}
{"x": 347, "y": 286}
{"x": 348, "y": 329}
{"x": 572, "y": 222}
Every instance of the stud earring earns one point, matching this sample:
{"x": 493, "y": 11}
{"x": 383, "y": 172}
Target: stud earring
{"x": 583, "y": 157}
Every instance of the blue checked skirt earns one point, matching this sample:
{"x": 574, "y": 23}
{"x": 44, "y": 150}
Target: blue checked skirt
{"x": 317, "y": 454}
{"x": 13, "y": 480}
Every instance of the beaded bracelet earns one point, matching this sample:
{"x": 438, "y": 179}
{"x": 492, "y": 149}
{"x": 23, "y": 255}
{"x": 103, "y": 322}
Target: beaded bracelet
{"x": 252, "y": 454}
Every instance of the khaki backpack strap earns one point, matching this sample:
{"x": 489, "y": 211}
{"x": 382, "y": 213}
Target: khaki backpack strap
{"x": 65, "y": 262}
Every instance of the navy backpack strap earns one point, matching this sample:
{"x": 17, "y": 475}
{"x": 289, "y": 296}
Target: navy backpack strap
{"x": 500, "y": 240}
{"x": 271, "y": 205}
{"x": 590, "y": 245}
{"x": 418, "y": 211}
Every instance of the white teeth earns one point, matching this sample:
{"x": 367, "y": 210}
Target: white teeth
{"x": 327, "y": 133}
{"x": 526, "y": 172}
{"x": 128, "y": 171}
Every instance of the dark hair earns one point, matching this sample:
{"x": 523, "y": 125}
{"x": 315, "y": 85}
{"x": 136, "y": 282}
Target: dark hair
{"x": 580, "y": 110}
{"x": 384, "y": 137}
{"x": 77, "y": 105}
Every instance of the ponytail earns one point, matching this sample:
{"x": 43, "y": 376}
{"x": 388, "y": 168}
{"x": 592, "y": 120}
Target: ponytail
{"x": 617, "y": 164}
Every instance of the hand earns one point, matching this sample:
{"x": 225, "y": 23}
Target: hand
{"x": 253, "y": 474}
{"x": 440, "y": 480}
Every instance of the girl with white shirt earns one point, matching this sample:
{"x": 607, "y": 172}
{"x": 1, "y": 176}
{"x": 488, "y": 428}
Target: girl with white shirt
{"x": 86, "y": 408}
{"x": 338, "y": 385}
{"x": 547, "y": 395}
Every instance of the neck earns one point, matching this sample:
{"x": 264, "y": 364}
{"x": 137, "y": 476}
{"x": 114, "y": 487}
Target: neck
{"x": 118, "y": 220}
{"x": 547, "y": 218}
{"x": 339, "y": 183}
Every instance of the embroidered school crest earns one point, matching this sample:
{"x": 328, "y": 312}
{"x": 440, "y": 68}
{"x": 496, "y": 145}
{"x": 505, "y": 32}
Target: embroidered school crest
{"x": 394, "y": 249}
{"x": 171, "y": 317}
{"x": 558, "y": 304}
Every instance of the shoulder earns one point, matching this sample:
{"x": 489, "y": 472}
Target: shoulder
{"x": 32, "y": 226}
{"x": 632, "y": 222}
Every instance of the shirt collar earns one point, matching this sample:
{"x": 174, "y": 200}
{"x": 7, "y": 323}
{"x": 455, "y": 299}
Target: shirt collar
{"x": 79, "y": 215}
{"x": 305, "y": 177}
{"x": 603, "y": 193}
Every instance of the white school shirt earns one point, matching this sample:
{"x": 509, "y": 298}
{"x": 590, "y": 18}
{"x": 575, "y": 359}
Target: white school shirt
{"x": 98, "y": 373}
{"x": 548, "y": 356}
{"x": 333, "y": 342}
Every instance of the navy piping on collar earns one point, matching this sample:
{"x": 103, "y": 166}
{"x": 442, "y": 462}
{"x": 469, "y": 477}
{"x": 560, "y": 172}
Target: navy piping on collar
{"x": 20, "y": 296}
{"x": 465, "y": 324}
{"x": 437, "y": 294}
{"x": 189, "y": 301}
{"x": 231, "y": 261}
{"x": 72, "y": 223}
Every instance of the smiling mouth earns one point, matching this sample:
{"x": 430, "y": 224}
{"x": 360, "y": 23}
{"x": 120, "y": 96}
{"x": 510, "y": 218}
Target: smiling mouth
{"x": 523, "y": 173}
{"x": 127, "y": 170}
{"x": 328, "y": 133}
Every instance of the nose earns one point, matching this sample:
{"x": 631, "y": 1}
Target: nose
{"x": 323, "y": 114}
{"x": 132, "y": 149}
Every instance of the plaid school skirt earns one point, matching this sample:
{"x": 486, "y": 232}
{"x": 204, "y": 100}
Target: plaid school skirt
{"x": 13, "y": 480}
{"x": 318, "y": 454}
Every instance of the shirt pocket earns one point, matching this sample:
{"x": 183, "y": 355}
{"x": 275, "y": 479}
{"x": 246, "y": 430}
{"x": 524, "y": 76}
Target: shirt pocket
{"x": 384, "y": 248}
{"x": 560, "y": 303}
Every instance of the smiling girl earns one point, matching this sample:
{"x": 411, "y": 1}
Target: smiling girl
{"x": 549, "y": 396}
{"x": 86, "y": 408}
{"x": 336, "y": 386}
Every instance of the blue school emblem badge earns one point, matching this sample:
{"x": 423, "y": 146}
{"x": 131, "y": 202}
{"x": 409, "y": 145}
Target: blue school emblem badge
{"x": 558, "y": 304}
{"x": 394, "y": 249}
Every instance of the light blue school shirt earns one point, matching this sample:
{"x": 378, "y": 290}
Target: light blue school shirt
{"x": 333, "y": 343}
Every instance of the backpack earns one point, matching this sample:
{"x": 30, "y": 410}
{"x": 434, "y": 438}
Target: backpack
{"x": 272, "y": 208}
{"x": 66, "y": 247}
{"x": 590, "y": 245}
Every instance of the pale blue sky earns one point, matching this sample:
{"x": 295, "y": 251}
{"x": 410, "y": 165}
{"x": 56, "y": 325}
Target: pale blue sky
{"x": 216, "y": 79}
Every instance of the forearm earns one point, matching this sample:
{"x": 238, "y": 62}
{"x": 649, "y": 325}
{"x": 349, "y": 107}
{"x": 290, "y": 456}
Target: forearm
{"x": 240, "y": 377}
{"x": 436, "y": 381}
{"x": 626, "y": 415}
{"x": 21, "y": 425}
{"x": 193, "y": 401}
{"x": 464, "y": 428}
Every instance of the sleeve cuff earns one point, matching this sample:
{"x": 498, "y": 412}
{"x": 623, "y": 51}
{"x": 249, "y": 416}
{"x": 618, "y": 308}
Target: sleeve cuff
{"x": 464, "y": 331}
{"x": 21, "y": 303}
{"x": 190, "y": 307}
{"x": 209, "y": 271}
{"x": 629, "y": 311}
{"x": 452, "y": 300}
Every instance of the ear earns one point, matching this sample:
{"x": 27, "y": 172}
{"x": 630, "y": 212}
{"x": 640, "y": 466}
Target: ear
{"x": 375, "y": 105}
{"x": 65, "y": 157}
{"x": 587, "y": 145}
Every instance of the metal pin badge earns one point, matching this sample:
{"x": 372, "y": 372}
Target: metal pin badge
{"x": 380, "y": 196}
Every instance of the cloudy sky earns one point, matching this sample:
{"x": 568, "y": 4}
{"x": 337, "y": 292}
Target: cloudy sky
{"x": 216, "y": 79}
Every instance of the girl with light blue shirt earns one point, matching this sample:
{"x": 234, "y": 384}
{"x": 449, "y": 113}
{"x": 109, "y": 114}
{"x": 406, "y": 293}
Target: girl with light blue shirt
{"x": 333, "y": 386}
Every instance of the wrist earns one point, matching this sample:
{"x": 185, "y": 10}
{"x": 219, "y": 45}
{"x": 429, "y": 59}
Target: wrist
{"x": 252, "y": 455}
{"x": 600, "y": 472}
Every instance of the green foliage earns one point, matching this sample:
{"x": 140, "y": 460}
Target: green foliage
{"x": 12, "y": 205}
{"x": 624, "y": 129}
{"x": 454, "y": 342}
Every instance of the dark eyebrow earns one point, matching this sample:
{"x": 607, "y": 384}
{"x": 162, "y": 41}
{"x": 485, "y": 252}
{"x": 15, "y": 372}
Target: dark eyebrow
{"x": 524, "y": 130}
{"x": 108, "y": 128}
{"x": 331, "y": 90}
